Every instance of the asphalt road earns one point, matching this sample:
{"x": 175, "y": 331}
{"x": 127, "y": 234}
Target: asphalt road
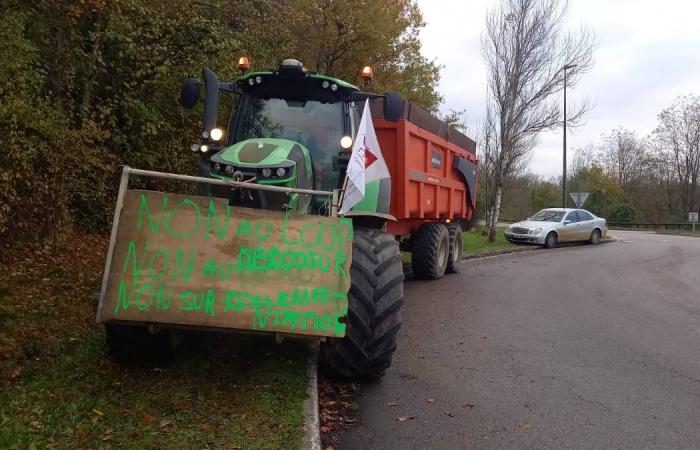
{"x": 577, "y": 347}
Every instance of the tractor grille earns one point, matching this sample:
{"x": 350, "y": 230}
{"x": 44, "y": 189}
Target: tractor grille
{"x": 519, "y": 230}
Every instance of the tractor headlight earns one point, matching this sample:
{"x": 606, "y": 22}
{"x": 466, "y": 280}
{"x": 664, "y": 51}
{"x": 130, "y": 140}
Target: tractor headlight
{"x": 205, "y": 135}
{"x": 217, "y": 167}
{"x": 216, "y": 134}
{"x": 204, "y": 148}
{"x": 194, "y": 147}
{"x": 267, "y": 173}
{"x": 230, "y": 170}
{"x": 281, "y": 171}
{"x": 346, "y": 142}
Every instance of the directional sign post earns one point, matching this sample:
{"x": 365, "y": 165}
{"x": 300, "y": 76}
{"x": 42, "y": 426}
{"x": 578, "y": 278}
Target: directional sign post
{"x": 579, "y": 198}
{"x": 693, "y": 218}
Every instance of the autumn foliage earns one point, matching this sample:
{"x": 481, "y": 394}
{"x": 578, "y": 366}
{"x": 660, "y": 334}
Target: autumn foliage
{"x": 88, "y": 86}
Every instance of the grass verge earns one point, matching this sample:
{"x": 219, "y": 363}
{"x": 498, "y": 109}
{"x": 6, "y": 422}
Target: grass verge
{"x": 476, "y": 242}
{"x": 59, "y": 388}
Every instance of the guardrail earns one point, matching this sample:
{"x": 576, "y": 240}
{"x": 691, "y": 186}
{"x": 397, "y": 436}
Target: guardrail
{"x": 651, "y": 226}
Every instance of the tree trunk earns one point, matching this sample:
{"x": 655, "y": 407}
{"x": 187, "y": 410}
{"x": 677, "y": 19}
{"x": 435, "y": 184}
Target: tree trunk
{"x": 494, "y": 217}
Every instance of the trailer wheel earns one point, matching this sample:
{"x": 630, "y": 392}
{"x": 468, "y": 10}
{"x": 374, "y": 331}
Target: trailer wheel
{"x": 136, "y": 342}
{"x": 456, "y": 248}
{"x": 431, "y": 251}
{"x": 374, "y": 309}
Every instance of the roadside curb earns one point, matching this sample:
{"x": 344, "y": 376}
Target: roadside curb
{"x": 511, "y": 251}
{"x": 312, "y": 428}
{"x": 500, "y": 252}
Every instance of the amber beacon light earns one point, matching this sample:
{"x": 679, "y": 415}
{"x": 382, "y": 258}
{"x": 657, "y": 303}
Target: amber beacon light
{"x": 367, "y": 73}
{"x": 243, "y": 64}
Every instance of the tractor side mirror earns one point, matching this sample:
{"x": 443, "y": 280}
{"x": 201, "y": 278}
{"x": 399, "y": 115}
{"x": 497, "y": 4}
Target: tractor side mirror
{"x": 189, "y": 92}
{"x": 393, "y": 106}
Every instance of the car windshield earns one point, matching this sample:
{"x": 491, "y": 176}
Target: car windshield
{"x": 548, "y": 216}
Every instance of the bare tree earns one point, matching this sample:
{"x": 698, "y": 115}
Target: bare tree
{"x": 526, "y": 49}
{"x": 623, "y": 154}
{"x": 489, "y": 147}
{"x": 678, "y": 134}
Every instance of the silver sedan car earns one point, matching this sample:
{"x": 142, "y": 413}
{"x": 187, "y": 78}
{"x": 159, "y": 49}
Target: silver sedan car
{"x": 553, "y": 225}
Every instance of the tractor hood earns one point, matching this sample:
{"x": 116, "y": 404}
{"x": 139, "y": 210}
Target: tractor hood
{"x": 251, "y": 156}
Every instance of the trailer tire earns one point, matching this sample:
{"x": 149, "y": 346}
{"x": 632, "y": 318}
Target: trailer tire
{"x": 430, "y": 251}
{"x": 374, "y": 310}
{"x": 456, "y": 249}
{"x": 136, "y": 342}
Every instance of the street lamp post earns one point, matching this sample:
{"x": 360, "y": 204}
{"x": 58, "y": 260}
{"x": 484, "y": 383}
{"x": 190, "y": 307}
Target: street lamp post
{"x": 563, "y": 178}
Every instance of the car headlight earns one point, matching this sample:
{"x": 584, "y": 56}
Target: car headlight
{"x": 536, "y": 231}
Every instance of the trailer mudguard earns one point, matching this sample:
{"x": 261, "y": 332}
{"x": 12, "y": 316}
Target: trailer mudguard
{"x": 468, "y": 170}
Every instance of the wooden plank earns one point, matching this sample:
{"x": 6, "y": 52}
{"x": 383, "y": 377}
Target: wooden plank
{"x": 192, "y": 260}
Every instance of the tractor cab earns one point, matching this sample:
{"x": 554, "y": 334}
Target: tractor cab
{"x": 290, "y": 128}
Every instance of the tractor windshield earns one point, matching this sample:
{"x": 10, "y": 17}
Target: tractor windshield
{"x": 315, "y": 125}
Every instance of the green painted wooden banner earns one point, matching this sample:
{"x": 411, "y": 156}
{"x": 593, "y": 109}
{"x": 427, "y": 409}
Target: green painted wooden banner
{"x": 197, "y": 261}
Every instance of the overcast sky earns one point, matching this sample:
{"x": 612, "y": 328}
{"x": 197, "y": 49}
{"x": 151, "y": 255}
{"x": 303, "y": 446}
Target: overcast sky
{"x": 649, "y": 53}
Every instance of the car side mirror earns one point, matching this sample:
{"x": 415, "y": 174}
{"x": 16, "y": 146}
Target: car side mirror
{"x": 189, "y": 92}
{"x": 393, "y": 106}
{"x": 566, "y": 222}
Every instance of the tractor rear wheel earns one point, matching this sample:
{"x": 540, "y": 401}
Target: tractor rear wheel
{"x": 456, "y": 248}
{"x": 374, "y": 309}
{"x": 431, "y": 251}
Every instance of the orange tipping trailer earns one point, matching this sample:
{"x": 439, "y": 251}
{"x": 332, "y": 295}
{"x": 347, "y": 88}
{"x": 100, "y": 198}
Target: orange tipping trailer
{"x": 433, "y": 186}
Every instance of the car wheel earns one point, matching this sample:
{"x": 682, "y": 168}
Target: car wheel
{"x": 595, "y": 237}
{"x": 551, "y": 240}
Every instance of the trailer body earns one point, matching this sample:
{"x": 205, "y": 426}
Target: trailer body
{"x": 433, "y": 169}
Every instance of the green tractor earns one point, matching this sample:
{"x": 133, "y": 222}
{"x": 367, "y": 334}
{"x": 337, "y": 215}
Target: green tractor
{"x": 294, "y": 128}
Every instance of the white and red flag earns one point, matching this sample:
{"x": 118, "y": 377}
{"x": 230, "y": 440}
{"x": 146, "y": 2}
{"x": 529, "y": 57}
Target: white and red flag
{"x": 366, "y": 163}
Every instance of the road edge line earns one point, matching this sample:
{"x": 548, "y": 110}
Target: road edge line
{"x": 312, "y": 428}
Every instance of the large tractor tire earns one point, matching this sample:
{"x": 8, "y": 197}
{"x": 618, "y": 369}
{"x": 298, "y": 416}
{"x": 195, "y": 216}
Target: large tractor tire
{"x": 456, "y": 248}
{"x": 431, "y": 251}
{"x": 374, "y": 310}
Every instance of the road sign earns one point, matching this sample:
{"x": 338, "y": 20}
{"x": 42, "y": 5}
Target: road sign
{"x": 579, "y": 198}
{"x": 692, "y": 217}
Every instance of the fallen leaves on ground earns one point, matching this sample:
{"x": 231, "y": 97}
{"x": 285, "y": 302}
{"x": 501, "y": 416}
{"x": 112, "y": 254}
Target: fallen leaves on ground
{"x": 337, "y": 409}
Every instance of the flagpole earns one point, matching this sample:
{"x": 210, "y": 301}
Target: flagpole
{"x": 342, "y": 190}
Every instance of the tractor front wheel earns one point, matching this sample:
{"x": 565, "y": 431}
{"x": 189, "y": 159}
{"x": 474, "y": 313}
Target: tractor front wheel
{"x": 374, "y": 309}
{"x": 126, "y": 342}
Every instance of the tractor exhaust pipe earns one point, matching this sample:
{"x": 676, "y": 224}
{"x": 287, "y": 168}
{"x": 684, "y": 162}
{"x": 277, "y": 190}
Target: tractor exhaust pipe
{"x": 211, "y": 99}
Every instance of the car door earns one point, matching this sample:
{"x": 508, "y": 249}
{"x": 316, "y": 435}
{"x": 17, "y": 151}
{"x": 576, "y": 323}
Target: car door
{"x": 585, "y": 225}
{"x": 567, "y": 231}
